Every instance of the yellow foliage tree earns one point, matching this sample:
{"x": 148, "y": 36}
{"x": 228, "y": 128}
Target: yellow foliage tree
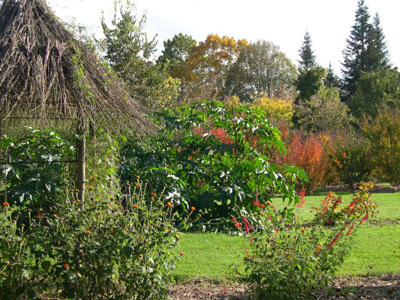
{"x": 277, "y": 109}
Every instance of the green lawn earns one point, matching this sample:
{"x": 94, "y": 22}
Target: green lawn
{"x": 376, "y": 249}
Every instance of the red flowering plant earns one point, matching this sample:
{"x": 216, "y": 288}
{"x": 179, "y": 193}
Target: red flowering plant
{"x": 291, "y": 260}
{"x": 330, "y": 213}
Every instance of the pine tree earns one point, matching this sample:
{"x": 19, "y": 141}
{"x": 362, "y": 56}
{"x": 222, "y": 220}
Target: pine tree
{"x": 307, "y": 57}
{"x": 365, "y": 52}
{"x": 355, "y": 52}
{"x": 331, "y": 80}
{"x": 378, "y": 55}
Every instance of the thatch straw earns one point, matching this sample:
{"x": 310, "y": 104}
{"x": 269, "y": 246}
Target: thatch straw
{"x": 46, "y": 73}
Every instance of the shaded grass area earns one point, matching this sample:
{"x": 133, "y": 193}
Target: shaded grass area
{"x": 216, "y": 256}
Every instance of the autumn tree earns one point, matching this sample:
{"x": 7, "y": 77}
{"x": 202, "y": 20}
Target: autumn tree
{"x": 275, "y": 109}
{"x": 260, "y": 68}
{"x": 205, "y": 71}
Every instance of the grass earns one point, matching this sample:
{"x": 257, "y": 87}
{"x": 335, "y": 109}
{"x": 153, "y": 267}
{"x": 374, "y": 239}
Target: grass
{"x": 213, "y": 256}
{"x": 388, "y": 205}
{"x": 376, "y": 249}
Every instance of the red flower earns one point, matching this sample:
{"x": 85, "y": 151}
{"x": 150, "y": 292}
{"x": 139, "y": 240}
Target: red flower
{"x": 237, "y": 224}
{"x": 169, "y": 204}
{"x": 6, "y": 204}
{"x": 365, "y": 217}
{"x": 247, "y": 225}
{"x": 256, "y": 202}
{"x": 350, "y": 230}
{"x": 66, "y": 266}
{"x": 192, "y": 208}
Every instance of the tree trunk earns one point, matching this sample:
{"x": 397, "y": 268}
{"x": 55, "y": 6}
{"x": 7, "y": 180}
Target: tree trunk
{"x": 81, "y": 170}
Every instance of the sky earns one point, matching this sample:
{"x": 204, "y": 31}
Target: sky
{"x": 282, "y": 22}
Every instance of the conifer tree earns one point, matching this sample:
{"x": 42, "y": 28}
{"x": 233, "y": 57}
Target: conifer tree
{"x": 331, "y": 80}
{"x": 307, "y": 57}
{"x": 365, "y": 52}
{"x": 378, "y": 55}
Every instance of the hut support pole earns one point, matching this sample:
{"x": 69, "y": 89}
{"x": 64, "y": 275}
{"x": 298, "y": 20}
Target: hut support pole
{"x": 81, "y": 152}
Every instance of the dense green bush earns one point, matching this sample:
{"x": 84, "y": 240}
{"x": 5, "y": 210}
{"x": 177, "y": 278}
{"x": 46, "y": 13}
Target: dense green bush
{"x": 101, "y": 249}
{"x": 351, "y": 158}
{"x": 383, "y": 132}
{"x": 37, "y": 175}
{"x": 209, "y": 157}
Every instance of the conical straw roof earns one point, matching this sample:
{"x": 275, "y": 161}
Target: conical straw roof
{"x": 46, "y": 73}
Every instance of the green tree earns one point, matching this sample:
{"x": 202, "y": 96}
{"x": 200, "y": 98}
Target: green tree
{"x": 175, "y": 53}
{"x": 128, "y": 49}
{"x": 322, "y": 112}
{"x": 331, "y": 80}
{"x": 260, "y": 68}
{"x": 307, "y": 57}
{"x": 309, "y": 82}
{"x": 365, "y": 50}
{"x": 378, "y": 54}
{"x": 374, "y": 90}
{"x": 384, "y": 134}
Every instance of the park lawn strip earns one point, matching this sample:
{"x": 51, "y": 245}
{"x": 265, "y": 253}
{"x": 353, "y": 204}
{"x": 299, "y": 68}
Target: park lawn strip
{"x": 212, "y": 256}
{"x": 376, "y": 248}
{"x": 376, "y": 251}
{"x": 217, "y": 256}
{"x": 388, "y": 205}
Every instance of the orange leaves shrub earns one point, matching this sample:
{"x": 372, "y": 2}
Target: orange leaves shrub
{"x": 306, "y": 152}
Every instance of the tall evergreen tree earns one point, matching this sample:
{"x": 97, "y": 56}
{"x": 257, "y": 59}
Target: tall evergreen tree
{"x": 378, "y": 55}
{"x": 331, "y": 80}
{"x": 365, "y": 52}
{"x": 307, "y": 57}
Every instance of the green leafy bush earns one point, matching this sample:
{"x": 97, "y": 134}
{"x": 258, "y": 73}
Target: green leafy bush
{"x": 351, "y": 159}
{"x": 99, "y": 249}
{"x": 383, "y": 132}
{"x": 209, "y": 157}
{"x": 36, "y": 172}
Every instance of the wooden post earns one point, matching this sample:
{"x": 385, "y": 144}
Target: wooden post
{"x": 81, "y": 170}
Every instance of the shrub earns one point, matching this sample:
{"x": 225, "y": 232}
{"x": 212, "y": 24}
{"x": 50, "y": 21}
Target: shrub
{"x": 275, "y": 109}
{"x": 99, "y": 249}
{"x": 330, "y": 213}
{"x": 306, "y": 152}
{"x": 37, "y": 175}
{"x": 210, "y": 158}
{"x": 351, "y": 159}
{"x": 383, "y": 133}
{"x": 288, "y": 260}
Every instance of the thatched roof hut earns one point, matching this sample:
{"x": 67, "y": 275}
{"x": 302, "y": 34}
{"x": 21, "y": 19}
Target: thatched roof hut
{"x": 45, "y": 73}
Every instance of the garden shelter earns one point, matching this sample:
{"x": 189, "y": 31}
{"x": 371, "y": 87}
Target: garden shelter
{"x": 47, "y": 73}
